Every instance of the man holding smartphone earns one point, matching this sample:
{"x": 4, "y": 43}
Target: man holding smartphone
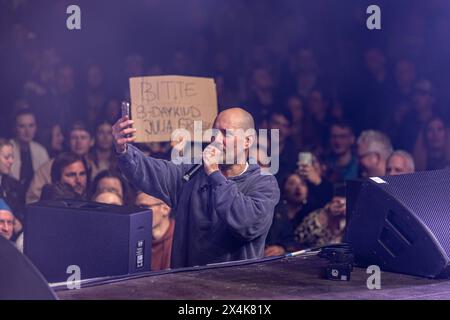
{"x": 225, "y": 211}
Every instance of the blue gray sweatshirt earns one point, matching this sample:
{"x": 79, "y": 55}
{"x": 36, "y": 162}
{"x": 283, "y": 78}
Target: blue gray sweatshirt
{"x": 218, "y": 219}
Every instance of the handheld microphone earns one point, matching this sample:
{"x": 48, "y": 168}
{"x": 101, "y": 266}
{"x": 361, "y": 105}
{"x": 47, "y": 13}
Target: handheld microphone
{"x": 194, "y": 169}
{"x": 191, "y": 172}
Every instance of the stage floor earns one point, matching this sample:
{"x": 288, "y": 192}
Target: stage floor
{"x": 283, "y": 279}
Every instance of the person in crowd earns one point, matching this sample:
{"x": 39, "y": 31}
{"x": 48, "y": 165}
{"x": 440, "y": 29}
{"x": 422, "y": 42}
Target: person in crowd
{"x": 111, "y": 111}
{"x": 301, "y": 128}
{"x": 432, "y": 149}
{"x": 69, "y": 175}
{"x": 8, "y": 227}
{"x": 394, "y": 121}
{"x": 314, "y": 173}
{"x": 404, "y": 78}
{"x": 318, "y": 109}
{"x": 374, "y": 90}
{"x": 94, "y": 93}
{"x": 323, "y": 226}
{"x": 67, "y": 101}
{"x": 336, "y": 111}
{"x": 134, "y": 66}
{"x": 108, "y": 197}
{"x": 231, "y": 205}
{"x": 373, "y": 149}
{"x": 111, "y": 181}
{"x": 53, "y": 140}
{"x": 41, "y": 85}
{"x": 11, "y": 190}
{"x": 289, "y": 213}
{"x": 400, "y": 162}
{"x": 422, "y": 111}
{"x": 62, "y": 104}
{"x": 342, "y": 163}
{"x": 101, "y": 155}
{"x": 287, "y": 155}
{"x": 28, "y": 154}
{"x": 7, "y": 220}
{"x": 305, "y": 71}
{"x": 262, "y": 100}
{"x": 80, "y": 142}
{"x": 163, "y": 226}
{"x": 226, "y": 94}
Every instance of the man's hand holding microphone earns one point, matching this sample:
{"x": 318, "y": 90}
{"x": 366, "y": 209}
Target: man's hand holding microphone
{"x": 211, "y": 157}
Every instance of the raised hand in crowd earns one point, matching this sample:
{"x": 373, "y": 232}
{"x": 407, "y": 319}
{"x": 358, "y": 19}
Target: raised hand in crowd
{"x": 310, "y": 173}
{"x": 120, "y": 130}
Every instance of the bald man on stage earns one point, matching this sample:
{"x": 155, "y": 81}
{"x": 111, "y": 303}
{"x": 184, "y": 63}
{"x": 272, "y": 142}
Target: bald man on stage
{"x": 225, "y": 211}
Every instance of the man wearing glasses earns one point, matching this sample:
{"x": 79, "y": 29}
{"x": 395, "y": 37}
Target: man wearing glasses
{"x": 7, "y": 221}
{"x": 162, "y": 230}
{"x": 342, "y": 162}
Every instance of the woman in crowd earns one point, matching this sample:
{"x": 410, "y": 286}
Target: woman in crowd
{"x": 320, "y": 189}
{"x": 111, "y": 181}
{"x": 432, "y": 149}
{"x": 53, "y": 140}
{"x": 101, "y": 155}
{"x": 289, "y": 213}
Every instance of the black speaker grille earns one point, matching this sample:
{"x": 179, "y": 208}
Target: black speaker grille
{"x": 427, "y": 194}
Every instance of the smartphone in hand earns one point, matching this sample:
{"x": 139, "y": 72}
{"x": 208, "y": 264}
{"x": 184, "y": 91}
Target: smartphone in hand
{"x": 305, "y": 158}
{"x": 126, "y": 109}
{"x": 126, "y": 112}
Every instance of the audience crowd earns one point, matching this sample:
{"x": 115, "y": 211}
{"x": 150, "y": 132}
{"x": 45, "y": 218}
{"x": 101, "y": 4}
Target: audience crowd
{"x": 371, "y": 110}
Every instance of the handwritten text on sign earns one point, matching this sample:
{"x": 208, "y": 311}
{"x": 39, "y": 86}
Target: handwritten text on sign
{"x": 164, "y": 103}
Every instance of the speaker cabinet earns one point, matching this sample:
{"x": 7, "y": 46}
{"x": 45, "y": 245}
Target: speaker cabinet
{"x": 99, "y": 239}
{"x": 19, "y": 279}
{"x": 401, "y": 223}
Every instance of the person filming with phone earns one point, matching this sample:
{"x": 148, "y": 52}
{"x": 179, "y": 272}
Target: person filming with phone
{"x": 310, "y": 168}
{"x": 224, "y": 212}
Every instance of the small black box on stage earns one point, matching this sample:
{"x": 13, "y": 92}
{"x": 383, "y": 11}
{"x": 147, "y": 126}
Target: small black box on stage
{"x": 100, "y": 239}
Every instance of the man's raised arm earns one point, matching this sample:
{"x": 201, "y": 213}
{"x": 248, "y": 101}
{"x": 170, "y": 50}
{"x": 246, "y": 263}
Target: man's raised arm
{"x": 159, "y": 178}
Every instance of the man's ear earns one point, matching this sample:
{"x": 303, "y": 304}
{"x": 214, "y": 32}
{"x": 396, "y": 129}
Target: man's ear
{"x": 165, "y": 211}
{"x": 378, "y": 157}
{"x": 249, "y": 141}
{"x": 92, "y": 142}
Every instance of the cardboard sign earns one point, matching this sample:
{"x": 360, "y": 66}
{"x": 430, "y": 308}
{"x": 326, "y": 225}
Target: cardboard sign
{"x": 161, "y": 104}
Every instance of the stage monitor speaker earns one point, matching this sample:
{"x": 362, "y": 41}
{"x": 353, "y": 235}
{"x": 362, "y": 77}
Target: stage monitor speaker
{"x": 19, "y": 279}
{"x": 99, "y": 239}
{"x": 401, "y": 223}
